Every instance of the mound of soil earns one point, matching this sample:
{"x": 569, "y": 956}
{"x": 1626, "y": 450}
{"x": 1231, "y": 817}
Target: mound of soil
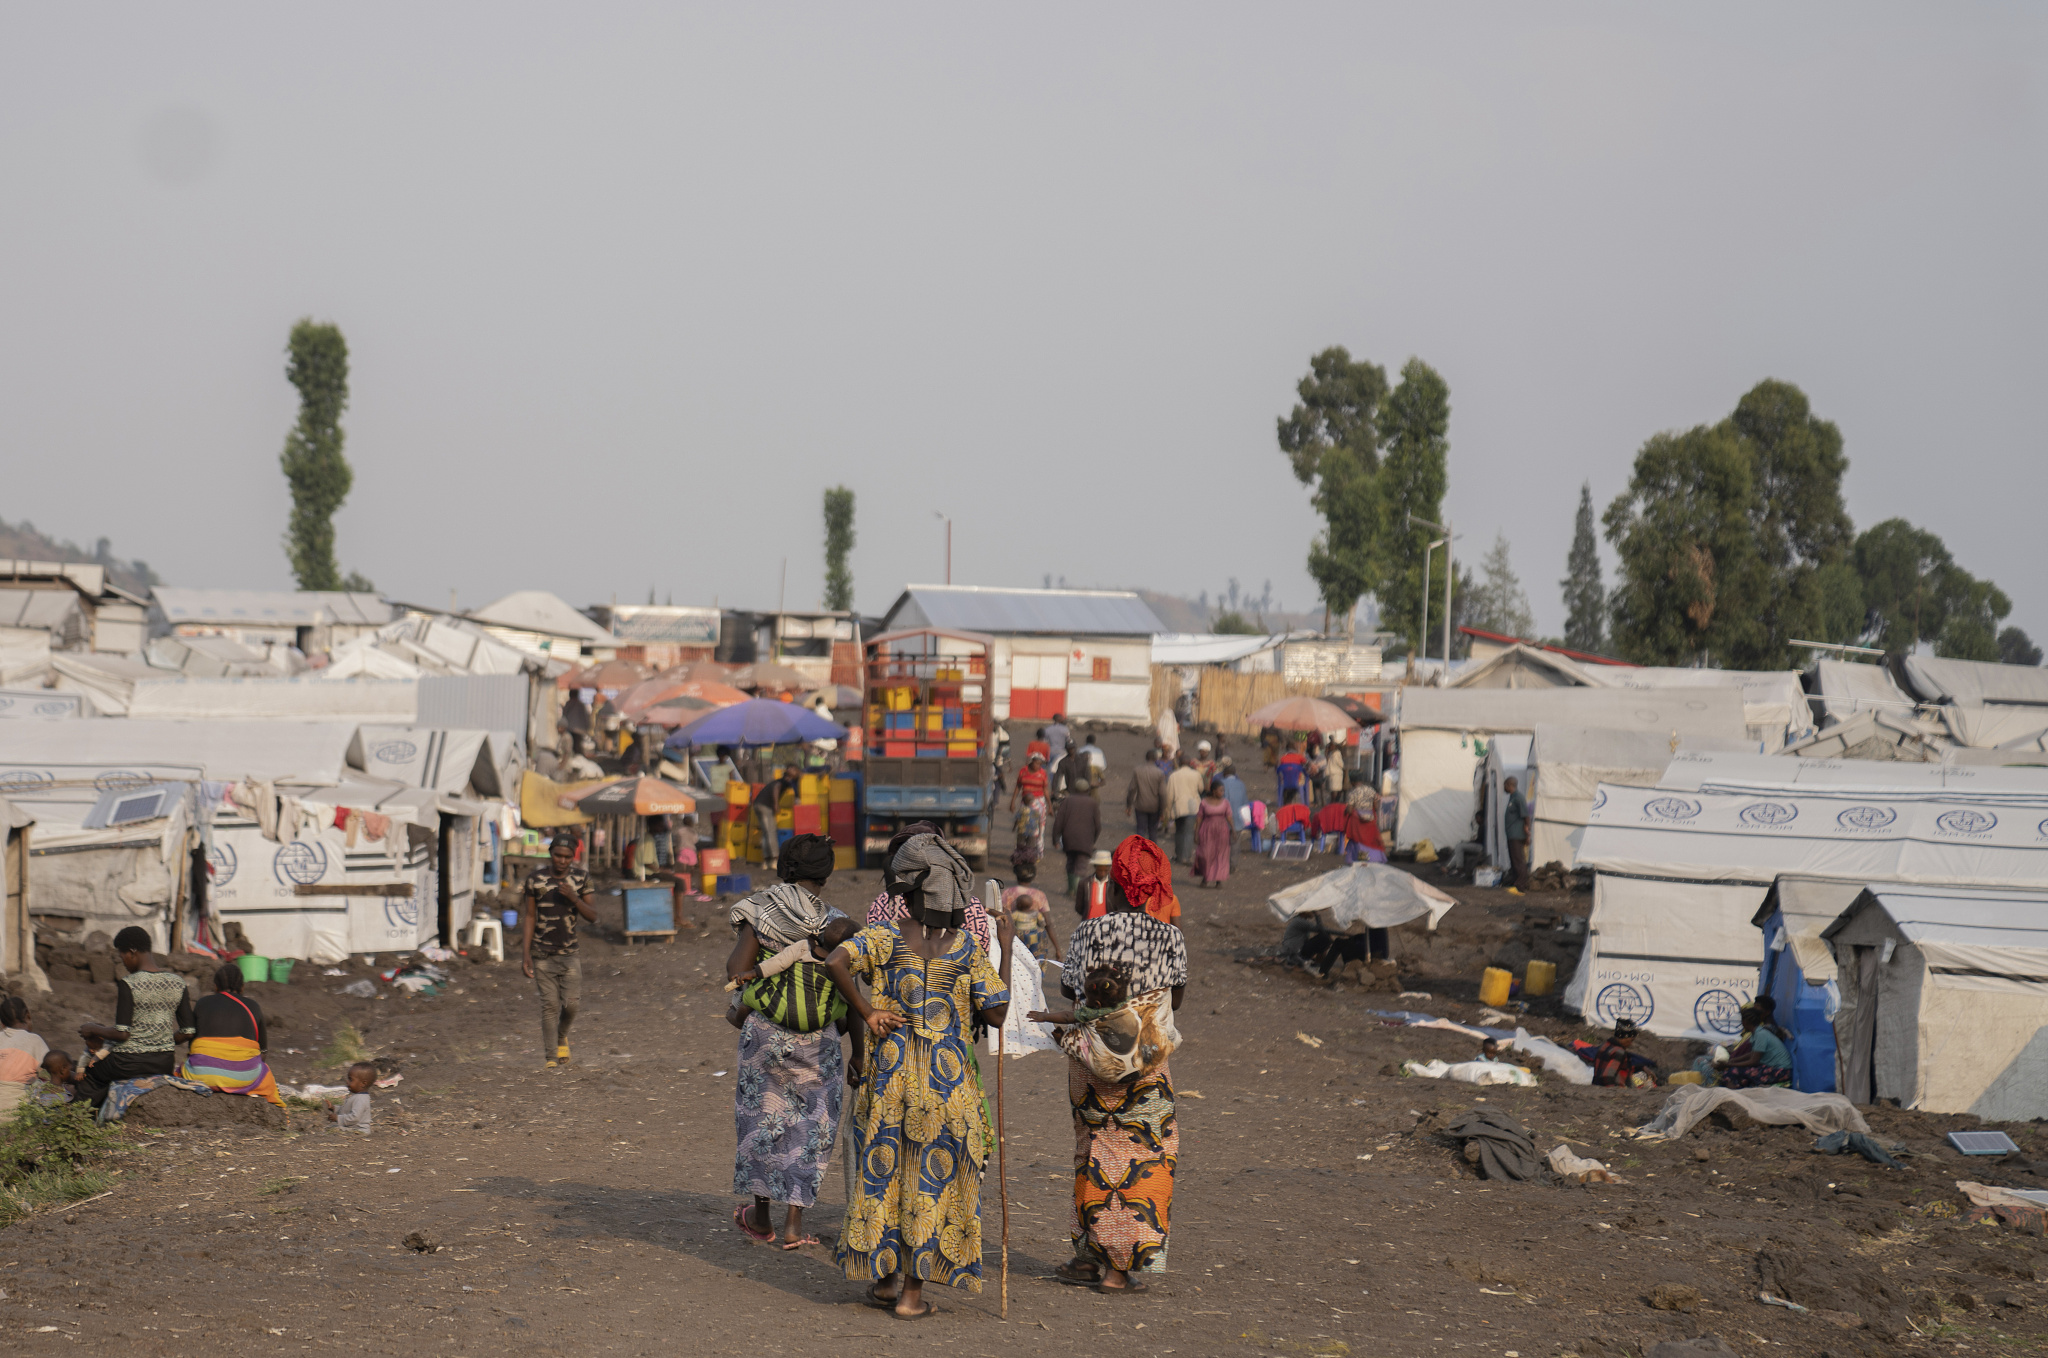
{"x": 171, "y": 1106}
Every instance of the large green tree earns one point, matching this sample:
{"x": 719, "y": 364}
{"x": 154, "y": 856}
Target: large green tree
{"x": 1331, "y": 440}
{"x": 319, "y": 476}
{"x": 838, "y": 542}
{"x": 1498, "y": 603}
{"x": 1415, "y": 424}
{"x": 1585, "y": 597}
{"x": 1916, "y": 592}
{"x": 1733, "y": 540}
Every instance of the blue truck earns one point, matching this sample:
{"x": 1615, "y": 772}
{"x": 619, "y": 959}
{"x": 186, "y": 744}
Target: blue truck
{"x": 928, "y": 738}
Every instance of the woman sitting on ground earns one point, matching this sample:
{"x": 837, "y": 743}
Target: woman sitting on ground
{"x": 1760, "y": 1059}
{"x": 227, "y": 1050}
{"x": 16, "y": 1029}
{"x": 1615, "y": 1064}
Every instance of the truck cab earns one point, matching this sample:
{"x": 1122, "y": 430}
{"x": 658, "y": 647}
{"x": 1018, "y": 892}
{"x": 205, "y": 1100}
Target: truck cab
{"x": 929, "y": 738}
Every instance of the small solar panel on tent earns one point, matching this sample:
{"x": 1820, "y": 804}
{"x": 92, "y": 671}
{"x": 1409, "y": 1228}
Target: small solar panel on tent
{"x": 1291, "y": 851}
{"x": 1982, "y": 1143}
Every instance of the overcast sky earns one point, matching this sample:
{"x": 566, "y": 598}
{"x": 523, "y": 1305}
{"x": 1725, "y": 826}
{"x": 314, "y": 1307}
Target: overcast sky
{"x": 626, "y": 287}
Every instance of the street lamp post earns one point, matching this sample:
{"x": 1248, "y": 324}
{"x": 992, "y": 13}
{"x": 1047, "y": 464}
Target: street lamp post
{"x": 942, "y": 514}
{"x": 1450, "y": 574}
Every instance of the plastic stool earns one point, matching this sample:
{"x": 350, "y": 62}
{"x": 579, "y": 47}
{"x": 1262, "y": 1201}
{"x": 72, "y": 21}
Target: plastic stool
{"x": 479, "y": 926}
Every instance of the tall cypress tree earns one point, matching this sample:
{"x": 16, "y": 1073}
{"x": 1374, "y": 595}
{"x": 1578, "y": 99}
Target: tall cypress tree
{"x": 1585, "y": 599}
{"x": 838, "y": 542}
{"x": 314, "y": 467}
{"x": 1415, "y": 425}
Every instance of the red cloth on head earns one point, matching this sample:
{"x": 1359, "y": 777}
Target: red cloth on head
{"x": 1146, "y": 877}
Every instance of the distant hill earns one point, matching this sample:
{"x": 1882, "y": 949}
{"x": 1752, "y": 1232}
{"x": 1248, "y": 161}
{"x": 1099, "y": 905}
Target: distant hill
{"x": 1182, "y": 614}
{"x": 25, "y": 541}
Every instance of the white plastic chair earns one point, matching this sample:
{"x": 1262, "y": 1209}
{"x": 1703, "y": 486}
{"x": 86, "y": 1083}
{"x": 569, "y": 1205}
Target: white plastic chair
{"x": 480, "y": 925}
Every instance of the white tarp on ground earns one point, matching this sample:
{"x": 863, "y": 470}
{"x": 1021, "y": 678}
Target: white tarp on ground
{"x": 1360, "y": 897}
{"x": 373, "y": 700}
{"x": 1955, "y": 1018}
{"x": 1847, "y": 688}
{"x": 1774, "y": 706}
{"x": 1976, "y": 683}
{"x": 1681, "y": 874}
{"x": 1439, "y": 753}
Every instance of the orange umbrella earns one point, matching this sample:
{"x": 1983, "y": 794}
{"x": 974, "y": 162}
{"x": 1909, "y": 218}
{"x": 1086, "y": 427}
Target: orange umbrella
{"x": 634, "y": 797}
{"x": 1302, "y": 714}
{"x": 678, "y": 712}
{"x": 636, "y": 700}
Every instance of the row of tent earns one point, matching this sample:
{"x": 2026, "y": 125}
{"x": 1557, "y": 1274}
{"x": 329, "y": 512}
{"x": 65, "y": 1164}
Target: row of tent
{"x": 1897, "y": 913}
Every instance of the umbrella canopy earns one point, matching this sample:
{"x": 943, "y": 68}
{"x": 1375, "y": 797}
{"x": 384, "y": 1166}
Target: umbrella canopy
{"x": 1363, "y": 896}
{"x": 1302, "y": 714}
{"x": 837, "y": 696}
{"x": 611, "y": 676}
{"x": 650, "y": 692}
{"x": 635, "y": 797}
{"x": 758, "y": 721}
{"x": 678, "y": 712}
{"x": 1357, "y": 708}
{"x": 770, "y": 675}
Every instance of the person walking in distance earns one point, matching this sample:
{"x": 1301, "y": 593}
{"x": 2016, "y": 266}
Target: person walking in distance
{"x": 1184, "y": 802}
{"x": 1145, "y": 798}
{"x": 1515, "y": 815}
{"x": 554, "y": 898}
{"x": 1075, "y": 827}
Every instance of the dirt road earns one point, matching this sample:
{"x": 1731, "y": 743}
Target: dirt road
{"x": 588, "y": 1210}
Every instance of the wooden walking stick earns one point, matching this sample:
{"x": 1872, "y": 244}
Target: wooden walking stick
{"x": 990, "y": 889}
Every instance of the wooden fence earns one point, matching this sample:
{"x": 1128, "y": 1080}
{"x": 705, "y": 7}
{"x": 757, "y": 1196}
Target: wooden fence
{"x": 1226, "y": 699}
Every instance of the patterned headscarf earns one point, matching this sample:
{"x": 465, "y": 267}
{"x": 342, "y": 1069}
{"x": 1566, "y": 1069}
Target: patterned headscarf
{"x": 1146, "y": 877}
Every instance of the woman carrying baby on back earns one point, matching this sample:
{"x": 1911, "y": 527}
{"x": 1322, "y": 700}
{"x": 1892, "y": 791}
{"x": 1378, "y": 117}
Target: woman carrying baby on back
{"x": 1130, "y": 971}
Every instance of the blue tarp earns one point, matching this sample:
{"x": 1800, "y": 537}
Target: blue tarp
{"x": 1802, "y": 1011}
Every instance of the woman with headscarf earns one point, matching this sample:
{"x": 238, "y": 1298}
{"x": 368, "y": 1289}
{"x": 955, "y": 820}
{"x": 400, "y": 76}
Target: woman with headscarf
{"x": 1030, "y": 823}
{"x": 920, "y": 1127}
{"x": 786, "y": 1100}
{"x": 1126, "y": 1139}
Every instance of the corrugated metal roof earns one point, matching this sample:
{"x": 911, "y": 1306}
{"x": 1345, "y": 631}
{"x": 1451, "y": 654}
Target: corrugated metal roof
{"x": 1040, "y": 612}
{"x": 270, "y": 607}
{"x": 665, "y": 624}
{"x": 1203, "y": 648}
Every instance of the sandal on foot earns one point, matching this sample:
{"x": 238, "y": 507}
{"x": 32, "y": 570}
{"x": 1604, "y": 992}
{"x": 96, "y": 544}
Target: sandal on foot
{"x": 1131, "y": 1287}
{"x": 739, "y": 1219}
{"x": 800, "y": 1242}
{"x": 1078, "y": 1275}
{"x": 877, "y": 1300}
{"x": 925, "y": 1309}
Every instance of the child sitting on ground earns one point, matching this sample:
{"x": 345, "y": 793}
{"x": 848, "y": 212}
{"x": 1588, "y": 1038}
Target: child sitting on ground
{"x": 58, "y": 1083}
{"x": 746, "y": 993}
{"x": 354, "y": 1113}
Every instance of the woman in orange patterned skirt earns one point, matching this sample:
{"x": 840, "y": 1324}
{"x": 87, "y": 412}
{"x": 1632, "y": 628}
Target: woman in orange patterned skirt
{"x": 1126, "y": 1139}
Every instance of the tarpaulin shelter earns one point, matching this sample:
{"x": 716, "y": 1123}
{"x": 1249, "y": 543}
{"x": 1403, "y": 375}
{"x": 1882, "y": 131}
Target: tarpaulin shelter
{"x": 1567, "y": 764}
{"x": 1445, "y": 733}
{"x": 1360, "y": 897}
{"x": 1680, "y": 874}
{"x": 1799, "y": 969}
{"x": 1846, "y": 688}
{"x": 1976, "y": 683}
{"x": 1945, "y": 1000}
{"x": 1775, "y": 708}
{"x": 641, "y": 796}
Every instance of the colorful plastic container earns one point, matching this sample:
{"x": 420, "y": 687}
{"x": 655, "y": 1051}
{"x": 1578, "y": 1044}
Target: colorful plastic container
{"x": 254, "y": 968}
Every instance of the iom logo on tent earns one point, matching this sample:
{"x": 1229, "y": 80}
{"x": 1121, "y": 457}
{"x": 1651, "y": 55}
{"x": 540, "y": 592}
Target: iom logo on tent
{"x": 395, "y": 751}
{"x": 1624, "y": 1001}
{"x": 55, "y": 707}
{"x": 24, "y": 778}
{"x": 1965, "y": 822}
{"x": 1600, "y": 800}
{"x": 120, "y": 780}
{"x": 1866, "y": 818}
{"x": 403, "y": 911}
{"x": 1671, "y": 808}
{"x": 300, "y": 862}
{"x": 1718, "y": 1011}
{"x": 222, "y": 860}
{"x": 1766, "y": 814}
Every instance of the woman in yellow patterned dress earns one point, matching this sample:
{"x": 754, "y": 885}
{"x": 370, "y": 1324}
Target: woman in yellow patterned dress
{"x": 921, "y": 1136}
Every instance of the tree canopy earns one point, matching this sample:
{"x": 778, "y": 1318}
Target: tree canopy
{"x": 1914, "y": 591}
{"x": 1331, "y": 441}
{"x": 1585, "y": 598}
{"x": 838, "y": 542}
{"x": 1498, "y": 603}
{"x": 1414, "y": 476}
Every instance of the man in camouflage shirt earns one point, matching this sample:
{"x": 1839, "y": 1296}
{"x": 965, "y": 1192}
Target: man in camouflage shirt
{"x": 554, "y": 898}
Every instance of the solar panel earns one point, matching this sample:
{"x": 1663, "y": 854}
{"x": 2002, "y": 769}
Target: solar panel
{"x": 1982, "y": 1143}
{"x": 143, "y": 806}
{"x": 1291, "y": 851}
{"x": 2030, "y": 1194}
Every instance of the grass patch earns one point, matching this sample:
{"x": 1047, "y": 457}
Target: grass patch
{"x": 48, "y": 1154}
{"x": 284, "y": 1185}
{"x": 346, "y": 1047}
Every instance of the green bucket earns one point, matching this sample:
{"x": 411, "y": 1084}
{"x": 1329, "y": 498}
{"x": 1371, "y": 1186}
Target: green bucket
{"x": 254, "y": 968}
{"x": 281, "y": 969}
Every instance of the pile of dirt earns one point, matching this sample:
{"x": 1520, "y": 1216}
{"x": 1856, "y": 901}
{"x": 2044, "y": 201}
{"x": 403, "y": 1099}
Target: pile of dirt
{"x": 1841, "y": 1284}
{"x": 170, "y": 1106}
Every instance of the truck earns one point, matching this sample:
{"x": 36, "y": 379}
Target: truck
{"x": 929, "y": 738}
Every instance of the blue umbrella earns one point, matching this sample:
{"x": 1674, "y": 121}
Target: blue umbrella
{"x": 758, "y": 721}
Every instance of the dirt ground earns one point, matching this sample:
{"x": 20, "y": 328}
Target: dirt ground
{"x": 560, "y": 1213}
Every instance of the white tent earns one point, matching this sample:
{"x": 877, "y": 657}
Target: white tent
{"x": 445, "y": 761}
{"x": 1360, "y": 897}
{"x": 1774, "y": 706}
{"x": 1847, "y": 688}
{"x": 296, "y": 700}
{"x": 1567, "y": 766}
{"x": 1680, "y": 875}
{"x": 1945, "y": 1000}
{"x": 1444, "y": 731}
{"x": 1726, "y": 771}
{"x": 1977, "y": 683}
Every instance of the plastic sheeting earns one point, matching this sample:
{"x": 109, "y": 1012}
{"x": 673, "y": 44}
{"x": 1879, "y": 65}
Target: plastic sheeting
{"x": 1774, "y": 704}
{"x": 445, "y": 761}
{"x": 1678, "y": 958}
{"x": 1977, "y": 683}
{"x": 1847, "y": 688}
{"x": 1799, "y": 970}
{"x": 1689, "y": 1106}
{"x": 1360, "y": 897}
{"x": 387, "y": 700}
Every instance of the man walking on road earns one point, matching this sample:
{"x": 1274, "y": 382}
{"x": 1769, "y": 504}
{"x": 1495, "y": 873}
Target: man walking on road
{"x": 1075, "y": 827}
{"x": 1516, "y": 816}
{"x": 1184, "y": 802}
{"x": 1145, "y": 798}
{"x": 554, "y": 898}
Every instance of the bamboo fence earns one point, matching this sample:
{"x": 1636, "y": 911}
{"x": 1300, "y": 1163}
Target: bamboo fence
{"x": 1226, "y": 699}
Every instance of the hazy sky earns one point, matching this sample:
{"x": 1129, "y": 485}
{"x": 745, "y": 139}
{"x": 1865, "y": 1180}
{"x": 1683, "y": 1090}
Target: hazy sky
{"x": 626, "y": 287}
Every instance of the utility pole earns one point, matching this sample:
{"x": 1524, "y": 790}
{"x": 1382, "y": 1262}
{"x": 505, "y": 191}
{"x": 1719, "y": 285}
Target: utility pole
{"x": 941, "y": 514}
{"x": 781, "y": 590}
{"x": 1450, "y": 574}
